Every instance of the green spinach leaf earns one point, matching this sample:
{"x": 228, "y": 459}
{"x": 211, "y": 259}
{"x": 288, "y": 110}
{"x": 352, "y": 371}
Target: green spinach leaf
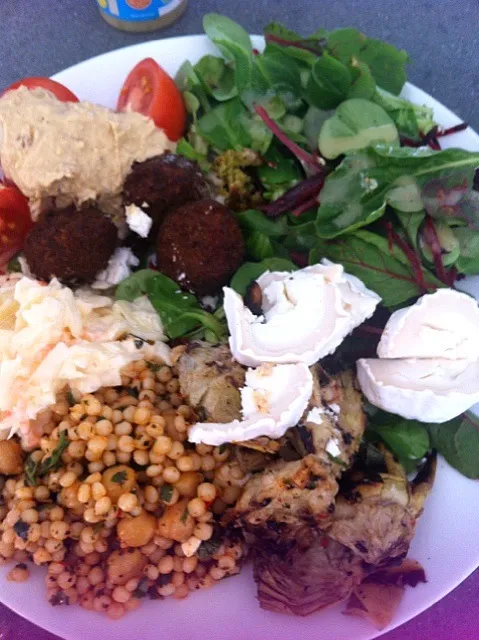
{"x": 179, "y": 311}
{"x": 356, "y": 124}
{"x": 458, "y": 441}
{"x": 407, "y": 439}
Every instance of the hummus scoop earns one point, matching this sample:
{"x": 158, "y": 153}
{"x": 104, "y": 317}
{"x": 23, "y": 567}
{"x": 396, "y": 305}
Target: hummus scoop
{"x": 71, "y": 152}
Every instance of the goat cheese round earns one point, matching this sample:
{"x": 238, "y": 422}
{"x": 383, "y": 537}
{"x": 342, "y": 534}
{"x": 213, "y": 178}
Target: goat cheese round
{"x": 426, "y": 389}
{"x": 305, "y": 315}
{"x": 273, "y": 399}
{"x": 444, "y": 324}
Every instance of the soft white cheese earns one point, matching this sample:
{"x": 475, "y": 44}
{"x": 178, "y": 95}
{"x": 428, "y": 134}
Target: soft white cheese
{"x": 273, "y": 399}
{"x": 332, "y": 447}
{"x": 428, "y": 365}
{"x": 306, "y": 315}
{"x": 118, "y": 268}
{"x": 138, "y": 220}
{"x": 427, "y": 389}
{"x": 444, "y": 324}
{"x": 315, "y": 416}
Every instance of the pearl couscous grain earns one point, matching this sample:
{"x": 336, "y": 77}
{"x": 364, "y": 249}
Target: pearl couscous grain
{"x": 129, "y": 503}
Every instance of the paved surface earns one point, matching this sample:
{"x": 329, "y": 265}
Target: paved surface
{"x": 442, "y": 39}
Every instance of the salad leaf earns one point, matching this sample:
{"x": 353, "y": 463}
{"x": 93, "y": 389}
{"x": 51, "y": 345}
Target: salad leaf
{"x": 411, "y": 119}
{"x": 468, "y": 261}
{"x": 357, "y": 192}
{"x": 250, "y": 271}
{"x": 234, "y": 43}
{"x": 356, "y": 124}
{"x": 184, "y": 148}
{"x": 217, "y": 77}
{"x": 329, "y": 83}
{"x": 363, "y": 85}
{"x": 458, "y": 441}
{"x": 179, "y": 311}
{"x": 411, "y": 223}
{"x": 253, "y": 220}
{"x": 387, "y": 64}
{"x": 382, "y": 268}
{"x": 224, "y": 126}
{"x": 407, "y": 439}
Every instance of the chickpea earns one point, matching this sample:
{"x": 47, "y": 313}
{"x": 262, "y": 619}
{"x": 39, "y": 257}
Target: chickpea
{"x": 176, "y": 523}
{"x": 69, "y": 496}
{"x": 136, "y": 532}
{"x": 11, "y": 457}
{"x": 188, "y": 483}
{"x": 123, "y": 565}
{"x": 118, "y": 480}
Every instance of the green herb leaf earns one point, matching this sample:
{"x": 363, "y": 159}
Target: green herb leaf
{"x": 154, "y": 366}
{"x": 34, "y": 470}
{"x": 166, "y": 492}
{"x": 250, "y": 271}
{"x": 21, "y": 529}
{"x": 53, "y": 462}
{"x": 119, "y": 477}
{"x": 184, "y": 516}
{"x": 208, "y": 548}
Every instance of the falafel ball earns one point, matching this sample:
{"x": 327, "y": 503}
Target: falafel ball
{"x": 71, "y": 245}
{"x": 164, "y": 182}
{"x": 200, "y": 245}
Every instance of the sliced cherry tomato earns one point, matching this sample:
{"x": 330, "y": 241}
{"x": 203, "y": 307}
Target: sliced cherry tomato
{"x": 61, "y": 92}
{"x": 15, "y": 222}
{"x": 149, "y": 90}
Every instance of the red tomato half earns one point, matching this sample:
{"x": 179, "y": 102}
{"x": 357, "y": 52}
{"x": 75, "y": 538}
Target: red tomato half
{"x": 61, "y": 92}
{"x": 149, "y": 90}
{"x": 15, "y": 222}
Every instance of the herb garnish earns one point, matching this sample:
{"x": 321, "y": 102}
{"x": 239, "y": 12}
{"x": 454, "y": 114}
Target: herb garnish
{"x": 119, "y": 477}
{"x": 34, "y": 470}
{"x": 166, "y": 492}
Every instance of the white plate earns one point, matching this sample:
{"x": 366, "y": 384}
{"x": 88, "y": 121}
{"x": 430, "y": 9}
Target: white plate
{"x": 446, "y": 542}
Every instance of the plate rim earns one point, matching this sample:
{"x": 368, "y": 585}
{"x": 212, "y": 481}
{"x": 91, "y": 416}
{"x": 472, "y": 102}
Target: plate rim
{"x": 257, "y": 39}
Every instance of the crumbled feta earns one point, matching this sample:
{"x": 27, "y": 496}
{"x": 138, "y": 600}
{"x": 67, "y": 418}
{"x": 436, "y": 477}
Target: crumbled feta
{"x": 138, "y": 220}
{"x": 118, "y": 269}
{"x": 315, "y": 415}
{"x": 333, "y": 448}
